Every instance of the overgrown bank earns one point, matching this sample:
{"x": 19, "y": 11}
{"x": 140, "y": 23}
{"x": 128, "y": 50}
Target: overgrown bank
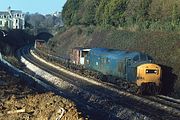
{"x": 164, "y": 47}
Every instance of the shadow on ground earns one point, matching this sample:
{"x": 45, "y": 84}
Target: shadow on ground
{"x": 168, "y": 80}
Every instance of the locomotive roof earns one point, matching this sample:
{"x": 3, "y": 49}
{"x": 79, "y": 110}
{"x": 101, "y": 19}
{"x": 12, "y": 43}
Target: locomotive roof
{"x": 114, "y": 53}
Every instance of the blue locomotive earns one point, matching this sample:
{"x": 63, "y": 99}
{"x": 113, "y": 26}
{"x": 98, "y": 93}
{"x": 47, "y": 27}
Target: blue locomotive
{"x": 135, "y": 67}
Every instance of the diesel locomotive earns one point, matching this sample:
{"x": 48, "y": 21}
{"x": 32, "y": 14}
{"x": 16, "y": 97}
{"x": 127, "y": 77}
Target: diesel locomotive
{"x": 135, "y": 67}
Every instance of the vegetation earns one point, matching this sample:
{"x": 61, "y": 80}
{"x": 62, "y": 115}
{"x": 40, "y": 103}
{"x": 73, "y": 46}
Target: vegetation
{"x": 150, "y": 26}
{"x": 162, "y": 46}
{"x": 127, "y": 14}
{"x": 36, "y": 23}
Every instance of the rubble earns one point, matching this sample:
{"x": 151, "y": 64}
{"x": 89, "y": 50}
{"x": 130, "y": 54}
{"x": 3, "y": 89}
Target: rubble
{"x": 19, "y": 101}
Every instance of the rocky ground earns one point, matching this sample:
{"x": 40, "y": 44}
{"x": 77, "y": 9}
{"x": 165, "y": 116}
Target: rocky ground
{"x": 19, "y": 101}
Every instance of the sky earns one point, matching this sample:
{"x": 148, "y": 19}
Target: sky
{"x": 33, "y": 6}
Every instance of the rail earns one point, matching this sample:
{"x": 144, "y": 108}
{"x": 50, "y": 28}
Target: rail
{"x": 161, "y": 105}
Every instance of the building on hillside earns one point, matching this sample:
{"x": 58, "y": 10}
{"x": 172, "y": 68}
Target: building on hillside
{"x": 57, "y": 14}
{"x": 12, "y": 19}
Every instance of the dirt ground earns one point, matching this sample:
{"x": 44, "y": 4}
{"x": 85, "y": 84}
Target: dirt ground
{"x": 20, "y": 102}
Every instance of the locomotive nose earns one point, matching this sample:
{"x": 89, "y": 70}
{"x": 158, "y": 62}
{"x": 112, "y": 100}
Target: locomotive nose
{"x": 148, "y": 73}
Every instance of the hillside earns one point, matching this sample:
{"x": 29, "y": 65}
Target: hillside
{"x": 150, "y": 26}
{"x": 164, "y": 47}
{"x": 127, "y": 14}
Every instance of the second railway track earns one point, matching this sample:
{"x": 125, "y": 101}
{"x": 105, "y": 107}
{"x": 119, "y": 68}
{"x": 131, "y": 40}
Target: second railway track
{"x": 174, "y": 103}
{"x": 111, "y": 97}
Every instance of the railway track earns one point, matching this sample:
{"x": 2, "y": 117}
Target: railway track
{"x": 85, "y": 107}
{"x": 133, "y": 102}
{"x": 165, "y": 100}
{"x": 169, "y": 99}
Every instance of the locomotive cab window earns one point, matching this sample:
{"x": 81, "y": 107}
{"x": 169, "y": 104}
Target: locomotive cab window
{"x": 136, "y": 58}
{"x": 149, "y": 58}
{"x": 143, "y": 57}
